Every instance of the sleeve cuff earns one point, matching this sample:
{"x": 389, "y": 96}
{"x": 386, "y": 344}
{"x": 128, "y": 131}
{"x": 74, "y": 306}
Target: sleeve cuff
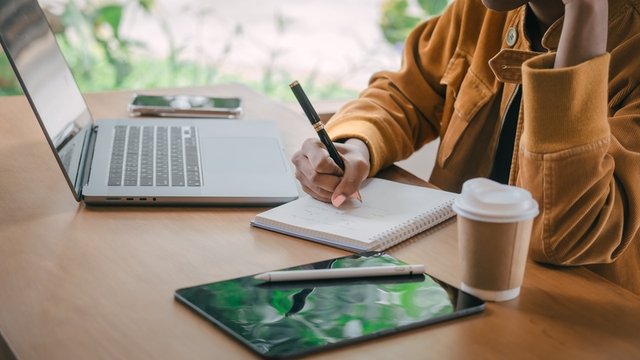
{"x": 566, "y": 107}
{"x": 363, "y": 130}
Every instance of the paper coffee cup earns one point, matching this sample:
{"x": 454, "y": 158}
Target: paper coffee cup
{"x": 494, "y": 229}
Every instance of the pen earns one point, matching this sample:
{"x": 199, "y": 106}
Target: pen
{"x": 340, "y": 273}
{"x": 312, "y": 115}
{"x": 315, "y": 121}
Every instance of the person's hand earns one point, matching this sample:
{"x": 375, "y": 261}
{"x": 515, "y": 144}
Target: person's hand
{"x": 584, "y": 31}
{"x": 321, "y": 178}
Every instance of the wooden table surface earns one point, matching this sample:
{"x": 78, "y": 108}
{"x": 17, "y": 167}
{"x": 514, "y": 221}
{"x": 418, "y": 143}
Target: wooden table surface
{"x": 81, "y": 282}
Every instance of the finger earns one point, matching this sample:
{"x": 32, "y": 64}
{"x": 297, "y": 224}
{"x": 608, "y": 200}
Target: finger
{"x": 310, "y": 174}
{"x": 321, "y": 184}
{"x": 319, "y": 157}
{"x": 348, "y": 188}
{"x": 317, "y": 196}
{"x": 355, "y": 173}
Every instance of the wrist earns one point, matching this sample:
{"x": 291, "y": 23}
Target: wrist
{"x": 597, "y": 4}
{"x": 587, "y": 11}
{"x": 584, "y": 32}
{"x": 360, "y": 145}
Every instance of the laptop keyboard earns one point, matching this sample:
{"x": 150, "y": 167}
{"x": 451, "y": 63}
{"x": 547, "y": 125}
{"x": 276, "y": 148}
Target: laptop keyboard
{"x": 155, "y": 156}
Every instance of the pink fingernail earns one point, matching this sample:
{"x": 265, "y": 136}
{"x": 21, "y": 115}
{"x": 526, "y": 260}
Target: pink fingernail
{"x": 356, "y": 195}
{"x": 338, "y": 200}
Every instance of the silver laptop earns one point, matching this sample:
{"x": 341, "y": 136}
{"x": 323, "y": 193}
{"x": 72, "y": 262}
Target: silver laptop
{"x": 139, "y": 161}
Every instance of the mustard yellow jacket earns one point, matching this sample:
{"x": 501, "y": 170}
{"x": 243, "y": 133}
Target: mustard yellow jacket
{"x": 578, "y": 136}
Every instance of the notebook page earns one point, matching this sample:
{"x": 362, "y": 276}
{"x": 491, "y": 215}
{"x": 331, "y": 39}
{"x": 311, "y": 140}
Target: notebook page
{"x": 386, "y": 205}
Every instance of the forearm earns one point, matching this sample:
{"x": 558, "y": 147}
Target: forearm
{"x": 584, "y": 32}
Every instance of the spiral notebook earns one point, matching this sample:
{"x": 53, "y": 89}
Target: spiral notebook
{"x": 390, "y": 213}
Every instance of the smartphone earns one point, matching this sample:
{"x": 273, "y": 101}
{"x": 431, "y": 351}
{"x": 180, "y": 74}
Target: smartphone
{"x": 185, "y": 106}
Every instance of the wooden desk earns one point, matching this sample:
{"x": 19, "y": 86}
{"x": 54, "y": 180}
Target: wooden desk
{"x": 87, "y": 283}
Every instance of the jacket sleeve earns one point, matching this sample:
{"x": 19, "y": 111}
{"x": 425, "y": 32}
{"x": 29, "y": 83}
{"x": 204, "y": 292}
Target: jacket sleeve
{"x": 580, "y": 162}
{"x": 401, "y": 111}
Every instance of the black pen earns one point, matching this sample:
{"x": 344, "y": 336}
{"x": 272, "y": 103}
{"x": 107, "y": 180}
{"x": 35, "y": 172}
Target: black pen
{"x": 318, "y": 126}
{"x": 315, "y": 121}
{"x": 312, "y": 115}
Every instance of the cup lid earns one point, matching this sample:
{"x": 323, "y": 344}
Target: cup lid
{"x": 487, "y": 200}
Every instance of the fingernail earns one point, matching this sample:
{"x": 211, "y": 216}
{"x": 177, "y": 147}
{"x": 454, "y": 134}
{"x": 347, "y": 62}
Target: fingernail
{"x": 338, "y": 200}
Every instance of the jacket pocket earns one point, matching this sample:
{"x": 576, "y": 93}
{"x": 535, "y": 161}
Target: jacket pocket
{"x": 472, "y": 96}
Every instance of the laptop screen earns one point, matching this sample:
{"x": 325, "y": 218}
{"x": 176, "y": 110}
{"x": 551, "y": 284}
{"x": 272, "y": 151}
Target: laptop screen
{"x": 47, "y": 82}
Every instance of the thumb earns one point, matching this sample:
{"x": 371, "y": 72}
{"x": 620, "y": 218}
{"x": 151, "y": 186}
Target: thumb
{"x": 348, "y": 187}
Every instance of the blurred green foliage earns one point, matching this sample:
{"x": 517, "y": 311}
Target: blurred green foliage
{"x": 90, "y": 38}
{"x": 8, "y": 83}
{"x": 399, "y": 17}
{"x": 102, "y": 58}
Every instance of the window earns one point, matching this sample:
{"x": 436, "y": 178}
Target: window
{"x": 332, "y": 48}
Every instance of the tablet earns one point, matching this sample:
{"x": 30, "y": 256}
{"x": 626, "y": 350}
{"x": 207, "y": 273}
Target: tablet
{"x": 288, "y": 319}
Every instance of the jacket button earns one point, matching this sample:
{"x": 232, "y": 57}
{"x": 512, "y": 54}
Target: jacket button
{"x": 512, "y": 36}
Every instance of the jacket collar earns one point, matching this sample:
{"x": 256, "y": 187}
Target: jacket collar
{"x": 506, "y": 65}
{"x": 551, "y": 38}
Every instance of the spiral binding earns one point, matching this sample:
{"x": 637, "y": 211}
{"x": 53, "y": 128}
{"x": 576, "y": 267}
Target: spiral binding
{"x": 414, "y": 226}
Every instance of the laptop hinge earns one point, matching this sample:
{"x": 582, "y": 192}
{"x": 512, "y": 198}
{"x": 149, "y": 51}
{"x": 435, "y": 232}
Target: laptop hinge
{"x": 85, "y": 167}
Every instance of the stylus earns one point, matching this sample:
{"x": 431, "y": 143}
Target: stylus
{"x": 338, "y": 273}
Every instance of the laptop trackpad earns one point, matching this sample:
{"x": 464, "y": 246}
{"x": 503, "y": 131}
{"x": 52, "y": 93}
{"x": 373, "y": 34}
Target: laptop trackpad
{"x": 241, "y": 155}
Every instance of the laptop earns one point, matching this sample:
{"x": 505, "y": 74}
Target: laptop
{"x": 139, "y": 161}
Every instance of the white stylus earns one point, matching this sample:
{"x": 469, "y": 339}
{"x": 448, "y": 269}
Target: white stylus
{"x": 340, "y": 273}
